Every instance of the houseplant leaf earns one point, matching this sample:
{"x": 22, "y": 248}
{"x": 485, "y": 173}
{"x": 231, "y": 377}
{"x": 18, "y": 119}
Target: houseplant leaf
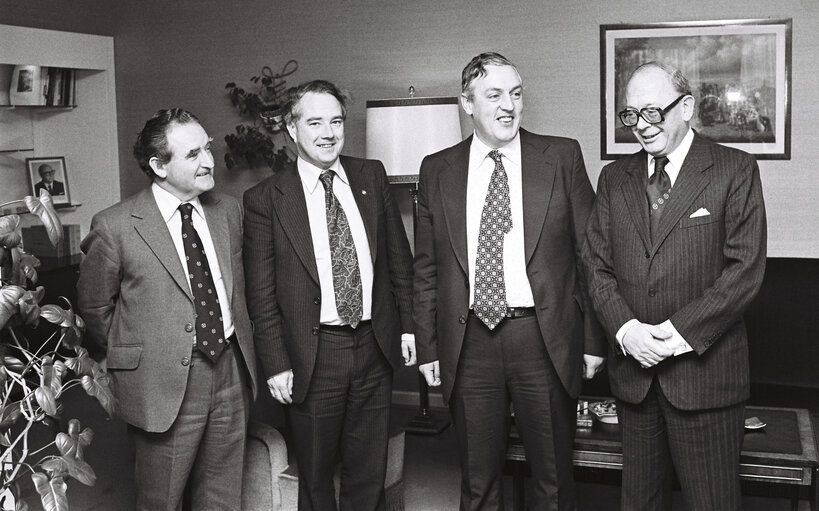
{"x": 43, "y": 207}
{"x": 51, "y": 491}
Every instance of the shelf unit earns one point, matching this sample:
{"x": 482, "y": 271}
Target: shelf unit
{"x": 85, "y": 133}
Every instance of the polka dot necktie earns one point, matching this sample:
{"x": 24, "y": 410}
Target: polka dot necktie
{"x": 496, "y": 221}
{"x": 210, "y": 332}
{"x": 346, "y": 273}
{"x": 657, "y": 192}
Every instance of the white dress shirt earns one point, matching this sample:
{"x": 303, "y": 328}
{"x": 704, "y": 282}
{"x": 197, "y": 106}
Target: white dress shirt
{"x": 169, "y": 209}
{"x": 672, "y": 168}
{"x": 481, "y": 166}
{"x": 317, "y": 214}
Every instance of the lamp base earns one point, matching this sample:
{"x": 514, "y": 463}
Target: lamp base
{"x": 426, "y": 423}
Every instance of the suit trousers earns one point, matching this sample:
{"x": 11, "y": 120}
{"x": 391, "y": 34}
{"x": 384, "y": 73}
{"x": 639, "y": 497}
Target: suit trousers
{"x": 510, "y": 365}
{"x": 346, "y": 415}
{"x": 204, "y": 447}
{"x": 702, "y": 445}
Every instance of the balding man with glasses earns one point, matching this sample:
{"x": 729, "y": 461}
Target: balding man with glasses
{"x": 675, "y": 252}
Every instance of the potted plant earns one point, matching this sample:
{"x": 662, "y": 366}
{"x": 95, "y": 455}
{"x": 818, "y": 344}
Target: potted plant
{"x": 34, "y": 376}
{"x": 253, "y": 143}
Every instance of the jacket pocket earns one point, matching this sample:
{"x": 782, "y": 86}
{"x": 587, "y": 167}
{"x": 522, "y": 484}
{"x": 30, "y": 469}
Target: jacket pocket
{"x": 124, "y": 357}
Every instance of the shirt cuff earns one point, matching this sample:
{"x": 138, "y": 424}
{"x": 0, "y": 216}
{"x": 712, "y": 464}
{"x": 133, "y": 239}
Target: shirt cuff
{"x": 622, "y": 333}
{"x": 676, "y": 341}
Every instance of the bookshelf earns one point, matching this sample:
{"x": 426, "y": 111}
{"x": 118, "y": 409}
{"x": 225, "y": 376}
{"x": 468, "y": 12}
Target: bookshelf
{"x": 84, "y": 132}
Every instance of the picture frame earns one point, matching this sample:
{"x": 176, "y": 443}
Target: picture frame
{"x": 739, "y": 72}
{"x": 40, "y": 177}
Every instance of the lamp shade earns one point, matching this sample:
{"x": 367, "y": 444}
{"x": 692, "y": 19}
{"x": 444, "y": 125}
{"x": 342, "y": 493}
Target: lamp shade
{"x": 401, "y": 132}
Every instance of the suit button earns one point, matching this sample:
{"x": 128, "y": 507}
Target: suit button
{"x": 315, "y": 330}
{"x": 189, "y": 328}
{"x": 462, "y": 320}
{"x": 652, "y": 292}
{"x": 647, "y": 256}
{"x": 317, "y": 301}
{"x": 186, "y": 361}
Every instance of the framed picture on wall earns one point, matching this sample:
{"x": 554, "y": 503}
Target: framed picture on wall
{"x": 51, "y": 174}
{"x": 739, "y": 72}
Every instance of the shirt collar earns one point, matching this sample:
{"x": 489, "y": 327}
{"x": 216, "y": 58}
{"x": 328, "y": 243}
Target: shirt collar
{"x": 478, "y": 151}
{"x": 309, "y": 173}
{"x": 169, "y": 204}
{"x": 677, "y": 156}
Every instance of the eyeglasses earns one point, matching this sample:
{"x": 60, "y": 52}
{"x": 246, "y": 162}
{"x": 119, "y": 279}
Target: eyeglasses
{"x": 652, "y": 115}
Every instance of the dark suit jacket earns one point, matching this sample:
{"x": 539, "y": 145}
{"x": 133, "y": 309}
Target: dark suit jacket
{"x": 283, "y": 292}
{"x": 57, "y": 188}
{"x": 134, "y": 297}
{"x": 701, "y": 272}
{"x": 557, "y": 200}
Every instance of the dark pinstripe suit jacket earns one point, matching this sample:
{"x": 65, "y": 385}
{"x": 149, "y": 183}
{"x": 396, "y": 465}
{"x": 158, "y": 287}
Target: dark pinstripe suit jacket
{"x": 557, "y": 200}
{"x": 701, "y": 272}
{"x": 283, "y": 292}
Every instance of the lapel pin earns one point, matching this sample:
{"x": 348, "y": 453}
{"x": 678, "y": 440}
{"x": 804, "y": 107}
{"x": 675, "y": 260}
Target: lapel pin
{"x": 363, "y": 192}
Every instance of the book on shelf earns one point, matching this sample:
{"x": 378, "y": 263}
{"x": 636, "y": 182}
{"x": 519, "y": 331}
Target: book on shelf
{"x": 42, "y": 86}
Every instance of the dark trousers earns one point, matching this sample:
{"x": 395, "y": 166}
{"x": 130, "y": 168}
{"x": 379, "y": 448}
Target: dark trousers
{"x": 205, "y": 446}
{"x": 510, "y": 364}
{"x": 703, "y": 445}
{"x": 346, "y": 414}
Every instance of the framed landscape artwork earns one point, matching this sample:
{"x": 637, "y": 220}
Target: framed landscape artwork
{"x": 739, "y": 72}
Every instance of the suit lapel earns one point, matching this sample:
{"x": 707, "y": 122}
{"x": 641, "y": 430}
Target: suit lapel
{"x": 634, "y": 194}
{"x": 150, "y": 225}
{"x": 364, "y": 192}
{"x": 452, "y": 189}
{"x": 538, "y": 175}
{"x": 291, "y": 208}
{"x": 217, "y": 220}
{"x": 690, "y": 182}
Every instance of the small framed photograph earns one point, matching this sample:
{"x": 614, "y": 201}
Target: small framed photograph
{"x": 49, "y": 173}
{"x": 739, "y": 72}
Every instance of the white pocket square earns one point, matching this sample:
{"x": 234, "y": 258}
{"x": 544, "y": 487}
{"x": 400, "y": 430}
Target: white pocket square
{"x": 699, "y": 212}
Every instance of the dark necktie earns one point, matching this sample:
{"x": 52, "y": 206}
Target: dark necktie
{"x": 658, "y": 191}
{"x": 210, "y": 332}
{"x": 496, "y": 221}
{"x": 346, "y": 273}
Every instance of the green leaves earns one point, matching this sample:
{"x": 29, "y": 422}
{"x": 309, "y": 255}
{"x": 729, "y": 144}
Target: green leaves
{"x": 9, "y": 234}
{"x": 43, "y": 207}
{"x": 72, "y": 325}
{"x": 51, "y": 491}
{"x": 98, "y": 386}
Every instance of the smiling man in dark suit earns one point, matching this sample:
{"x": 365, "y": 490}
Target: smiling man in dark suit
{"x": 162, "y": 287}
{"x": 500, "y": 304}
{"x": 675, "y": 253}
{"x": 330, "y": 291}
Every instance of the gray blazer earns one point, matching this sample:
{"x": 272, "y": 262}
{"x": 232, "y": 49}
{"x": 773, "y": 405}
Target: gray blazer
{"x": 135, "y": 300}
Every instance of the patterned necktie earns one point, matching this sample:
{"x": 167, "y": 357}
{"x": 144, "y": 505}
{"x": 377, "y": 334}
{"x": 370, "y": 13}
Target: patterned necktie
{"x": 346, "y": 273}
{"x": 658, "y": 191}
{"x": 210, "y": 332}
{"x": 496, "y": 221}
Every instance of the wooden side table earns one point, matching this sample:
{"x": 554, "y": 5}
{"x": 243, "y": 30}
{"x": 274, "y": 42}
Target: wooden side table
{"x": 784, "y": 452}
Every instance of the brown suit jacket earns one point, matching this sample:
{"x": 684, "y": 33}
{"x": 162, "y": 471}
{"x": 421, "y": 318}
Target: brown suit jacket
{"x": 557, "y": 200}
{"x": 700, "y": 272}
{"x": 135, "y": 299}
{"x": 283, "y": 292}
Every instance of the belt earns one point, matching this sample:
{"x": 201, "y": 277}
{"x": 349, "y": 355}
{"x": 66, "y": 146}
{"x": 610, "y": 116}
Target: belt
{"x": 516, "y": 312}
{"x": 345, "y": 329}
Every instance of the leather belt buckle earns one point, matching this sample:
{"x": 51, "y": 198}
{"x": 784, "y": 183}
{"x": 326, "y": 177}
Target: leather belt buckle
{"x": 519, "y": 312}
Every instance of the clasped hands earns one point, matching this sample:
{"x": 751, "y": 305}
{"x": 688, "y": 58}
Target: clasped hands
{"x": 646, "y": 343}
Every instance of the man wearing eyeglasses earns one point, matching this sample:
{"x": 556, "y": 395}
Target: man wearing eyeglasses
{"x": 675, "y": 252}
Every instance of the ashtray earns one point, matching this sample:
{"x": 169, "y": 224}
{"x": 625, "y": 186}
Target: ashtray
{"x": 754, "y": 423}
{"x": 604, "y": 411}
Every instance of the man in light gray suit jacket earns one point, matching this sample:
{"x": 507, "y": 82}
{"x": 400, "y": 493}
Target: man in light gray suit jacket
{"x": 673, "y": 261}
{"x": 162, "y": 287}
